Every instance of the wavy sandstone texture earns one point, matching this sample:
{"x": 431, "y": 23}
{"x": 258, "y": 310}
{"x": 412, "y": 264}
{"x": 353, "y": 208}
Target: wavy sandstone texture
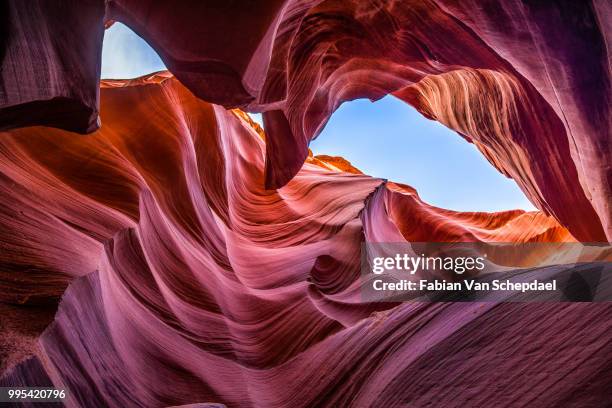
{"x": 526, "y": 82}
{"x": 190, "y": 282}
{"x": 147, "y": 264}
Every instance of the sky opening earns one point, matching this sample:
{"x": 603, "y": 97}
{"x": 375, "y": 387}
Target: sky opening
{"x": 387, "y": 139}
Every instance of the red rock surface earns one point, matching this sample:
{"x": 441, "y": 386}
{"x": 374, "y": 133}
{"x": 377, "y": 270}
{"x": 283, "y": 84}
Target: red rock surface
{"x": 529, "y": 84}
{"x": 190, "y": 282}
{"x": 183, "y": 279}
{"x": 50, "y": 56}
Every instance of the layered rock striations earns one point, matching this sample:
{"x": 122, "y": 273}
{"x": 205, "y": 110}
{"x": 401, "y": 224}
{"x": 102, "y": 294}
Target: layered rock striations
{"x": 184, "y": 280}
{"x": 529, "y": 84}
{"x": 178, "y": 254}
{"x": 50, "y": 57}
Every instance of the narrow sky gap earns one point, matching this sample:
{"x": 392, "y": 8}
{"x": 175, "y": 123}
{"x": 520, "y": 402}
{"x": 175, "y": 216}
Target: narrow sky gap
{"x": 387, "y": 139}
{"x": 391, "y": 139}
{"x": 126, "y": 55}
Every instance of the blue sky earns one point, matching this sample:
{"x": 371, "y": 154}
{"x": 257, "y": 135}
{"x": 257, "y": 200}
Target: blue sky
{"x": 387, "y": 138}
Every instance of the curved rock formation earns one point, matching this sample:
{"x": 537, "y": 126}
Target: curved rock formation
{"x": 50, "y": 56}
{"x": 529, "y": 84}
{"x": 191, "y": 282}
